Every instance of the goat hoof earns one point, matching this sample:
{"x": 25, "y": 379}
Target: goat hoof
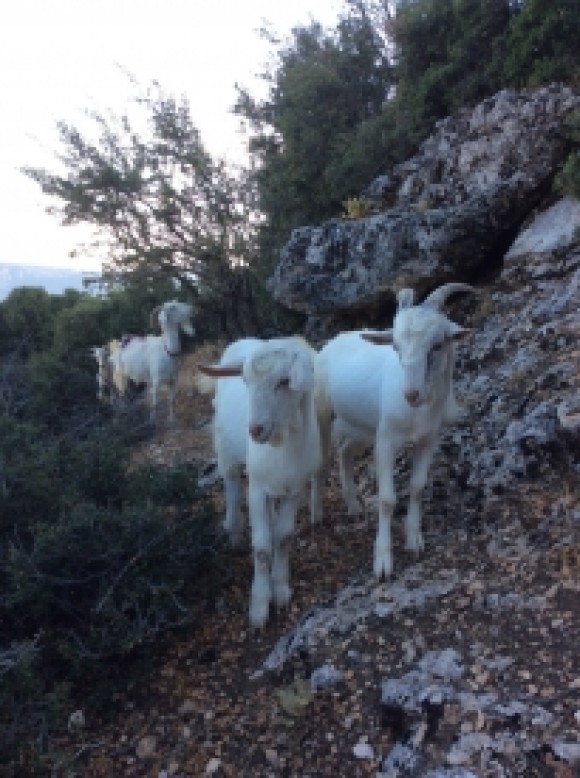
{"x": 416, "y": 544}
{"x": 383, "y": 565}
{"x": 282, "y": 595}
{"x": 259, "y": 613}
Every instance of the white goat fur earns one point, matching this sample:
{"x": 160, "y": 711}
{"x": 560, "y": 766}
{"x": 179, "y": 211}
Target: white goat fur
{"x": 391, "y": 396}
{"x": 109, "y": 381}
{"x": 154, "y": 359}
{"x": 266, "y": 421}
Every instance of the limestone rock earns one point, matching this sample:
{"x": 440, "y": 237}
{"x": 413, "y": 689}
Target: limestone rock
{"x": 449, "y": 213}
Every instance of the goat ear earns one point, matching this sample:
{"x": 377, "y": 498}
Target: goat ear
{"x": 221, "y": 371}
{"x": 405, "y": 299}
{"x": 301, "y": 377}
{"x": 378, "y": 338}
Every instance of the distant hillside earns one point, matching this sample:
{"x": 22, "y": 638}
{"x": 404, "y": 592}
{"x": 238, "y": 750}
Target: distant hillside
{"x": 54, "y": 280}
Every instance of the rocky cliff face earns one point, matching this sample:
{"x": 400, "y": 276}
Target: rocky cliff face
{"x": 477, "y": 625}
{"x": 449, "y": 213}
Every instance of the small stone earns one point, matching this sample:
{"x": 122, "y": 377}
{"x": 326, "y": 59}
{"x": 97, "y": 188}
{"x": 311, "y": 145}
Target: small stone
{"x": 186, "y": 708}
{"x": 363, "y": 751}
{"x": 325, "y": 677}
{"x": 570, "y": 752}
{"x": 213, "y": 766}
{"x": 271, "y": 756}
{"x": 76, "y": 721}
{"x": 146, "y": 747}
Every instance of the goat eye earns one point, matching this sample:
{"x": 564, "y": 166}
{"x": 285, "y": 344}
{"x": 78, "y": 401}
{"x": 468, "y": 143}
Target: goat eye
{"x": 283, "y": 383}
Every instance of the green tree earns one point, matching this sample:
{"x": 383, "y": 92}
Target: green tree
{"x": 543, "y": 43}
{"x": 28, "y": 316}
{"x": 162, "y": 207}
{"x": 448, "y": 55}
{"x": 323, "y": 87}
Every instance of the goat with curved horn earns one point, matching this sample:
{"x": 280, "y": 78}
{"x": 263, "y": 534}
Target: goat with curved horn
{"x": 399, "y": 394}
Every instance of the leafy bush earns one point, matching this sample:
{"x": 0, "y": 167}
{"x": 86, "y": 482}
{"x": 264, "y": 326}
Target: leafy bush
{"x": 96, "y": 559}
{"x": 171, "y": 486}
{"x": 26, "y": 707}
{"x": 100, "y": 582}
{"x": 29, "y": 473}
{"x": 86, "y": 593}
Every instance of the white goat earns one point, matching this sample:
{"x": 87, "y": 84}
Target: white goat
{"x": 154, "y": 359}
{"x": 108, "y": 381}
{"x": 266, "y": 421}
{"x": 392, "y": 396}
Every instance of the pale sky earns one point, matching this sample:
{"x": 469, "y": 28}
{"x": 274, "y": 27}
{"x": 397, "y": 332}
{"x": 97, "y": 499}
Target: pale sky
{"x": 61, "y": 57}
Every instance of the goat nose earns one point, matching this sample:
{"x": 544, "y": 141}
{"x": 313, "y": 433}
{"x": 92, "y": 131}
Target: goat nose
{"x": 412, "y": 396}
{"x": 256, "y": 431}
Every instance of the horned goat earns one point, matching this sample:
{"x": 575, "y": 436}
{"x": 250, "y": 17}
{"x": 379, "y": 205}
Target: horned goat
{"x": 154, "y": 359}
{"x": 399, "y": 394}
{"x": 266, "y": 421}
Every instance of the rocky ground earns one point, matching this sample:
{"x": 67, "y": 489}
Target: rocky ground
{"x": 467, "y": 662}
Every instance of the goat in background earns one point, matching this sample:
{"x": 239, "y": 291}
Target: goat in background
{"x": 154, "y": 359}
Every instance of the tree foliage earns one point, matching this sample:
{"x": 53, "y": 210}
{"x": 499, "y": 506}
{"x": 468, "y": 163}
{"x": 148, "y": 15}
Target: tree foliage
{"x": 543, "y": 43}
{"x": 326, "y": 87}
{"x": 446, "y": 55}
{"x": 162, "y": 207}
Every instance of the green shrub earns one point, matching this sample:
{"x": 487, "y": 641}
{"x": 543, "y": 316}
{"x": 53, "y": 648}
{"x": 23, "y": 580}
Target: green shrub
{"x": 97, "y": 560}
{"x": 169, "y": 486}
{"x": 27, "y": 707}
{"x": 29, "y": 472}
{"x": 92, "y": 592}
{"x": 102, "y": 581}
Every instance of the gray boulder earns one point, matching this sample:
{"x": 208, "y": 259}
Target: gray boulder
{"x": 458, "y": 205}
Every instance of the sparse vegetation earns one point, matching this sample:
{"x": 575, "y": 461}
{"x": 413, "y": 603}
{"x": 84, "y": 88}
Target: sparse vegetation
{"x": 357, "y": 208}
